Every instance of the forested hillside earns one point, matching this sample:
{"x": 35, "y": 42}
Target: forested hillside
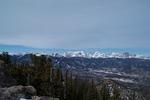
{"x": 56, "y": 82}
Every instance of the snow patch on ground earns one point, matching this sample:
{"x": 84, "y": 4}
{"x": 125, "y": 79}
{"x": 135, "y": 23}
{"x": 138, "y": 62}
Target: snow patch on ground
{"x": 124, "y": 80}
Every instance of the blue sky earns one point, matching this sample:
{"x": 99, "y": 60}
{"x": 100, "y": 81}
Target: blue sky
{"x": 75, "y": 24}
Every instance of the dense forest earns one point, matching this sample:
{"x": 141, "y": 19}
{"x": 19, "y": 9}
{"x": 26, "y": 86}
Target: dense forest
{"x": 56, "y": 82}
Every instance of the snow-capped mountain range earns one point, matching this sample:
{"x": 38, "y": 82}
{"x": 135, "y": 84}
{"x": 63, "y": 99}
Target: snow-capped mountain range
{"x": 98, "y": 54}
{"x": 83, "y": 54}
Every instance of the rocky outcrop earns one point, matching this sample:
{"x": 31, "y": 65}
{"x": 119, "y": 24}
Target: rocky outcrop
{"x": 43, "y": 98}
{"x": 17, "y": 92}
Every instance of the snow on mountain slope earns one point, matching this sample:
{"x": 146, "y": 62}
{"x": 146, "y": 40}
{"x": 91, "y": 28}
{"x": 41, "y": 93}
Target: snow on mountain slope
{"x": 98, "y": 54}
{"x": 75, "y": 54}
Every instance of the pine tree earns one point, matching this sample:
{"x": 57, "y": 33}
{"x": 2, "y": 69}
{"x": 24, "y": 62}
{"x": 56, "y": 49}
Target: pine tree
{"x": 116, "y": 93}
{"x": 104, "y": 93}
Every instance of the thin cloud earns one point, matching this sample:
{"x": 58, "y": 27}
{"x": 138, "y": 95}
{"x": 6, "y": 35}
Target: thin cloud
{"x": 76, "y": 23}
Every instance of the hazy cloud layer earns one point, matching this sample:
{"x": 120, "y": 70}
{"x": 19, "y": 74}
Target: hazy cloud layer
{"x": 75, "y": 23}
